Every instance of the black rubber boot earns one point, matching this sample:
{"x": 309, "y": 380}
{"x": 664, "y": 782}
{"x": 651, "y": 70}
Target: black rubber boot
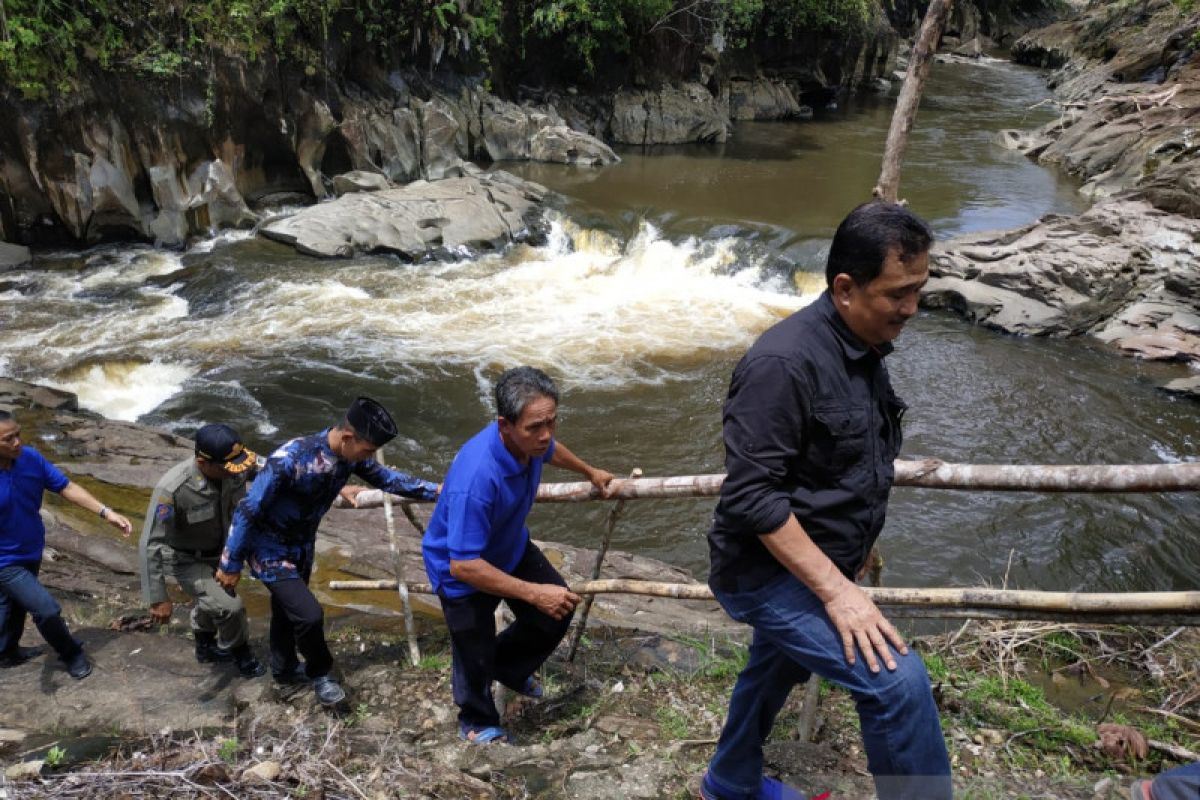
{"x": 247, "y": 664}
{"x": 207, "y": 651}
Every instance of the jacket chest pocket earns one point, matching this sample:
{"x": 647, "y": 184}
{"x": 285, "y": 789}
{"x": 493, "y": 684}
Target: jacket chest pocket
{"x": 839, "y": 435}
{"x": 196, "y": 515}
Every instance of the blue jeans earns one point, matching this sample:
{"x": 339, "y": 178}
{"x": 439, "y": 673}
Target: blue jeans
{"x": 793, "y": 638}
{"x": 20, "y": 592}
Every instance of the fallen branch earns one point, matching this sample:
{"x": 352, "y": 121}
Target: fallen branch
{"x": 1175, "y": 751}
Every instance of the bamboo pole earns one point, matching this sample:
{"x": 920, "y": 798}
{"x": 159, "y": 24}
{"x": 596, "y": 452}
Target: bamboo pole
{"x": 919, "y": 61}
{"x": 982, "y": 603}
{"x": 609, "y": 526}
{"x": 928, "y": 474}
{"x": 414, "y": 650}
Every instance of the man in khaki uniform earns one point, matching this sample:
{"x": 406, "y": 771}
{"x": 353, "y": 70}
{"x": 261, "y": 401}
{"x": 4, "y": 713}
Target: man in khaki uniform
{"x": 183, "y": 535}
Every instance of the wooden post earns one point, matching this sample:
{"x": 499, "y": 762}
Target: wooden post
{"x": 888, "y": 188}
{"x": 610, "y": 525}
{"x": 414, "y": 650}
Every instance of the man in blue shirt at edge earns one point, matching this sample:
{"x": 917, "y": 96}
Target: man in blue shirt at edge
{"x": 275, "y": 528}
{"x": 24, "y": 475}
{"x": 477, "y": 552}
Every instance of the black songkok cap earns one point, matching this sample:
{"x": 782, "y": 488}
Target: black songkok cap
{"x": 371, "y": 421}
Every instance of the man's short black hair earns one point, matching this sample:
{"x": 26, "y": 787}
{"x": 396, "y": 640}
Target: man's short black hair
{"x": 516, "y": 387}
{"x": 6, "y": 416}
{"x": 868, "y": 234}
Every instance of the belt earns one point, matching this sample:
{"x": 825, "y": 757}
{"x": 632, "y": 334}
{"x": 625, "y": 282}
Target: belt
{"x": 198, "y": 553}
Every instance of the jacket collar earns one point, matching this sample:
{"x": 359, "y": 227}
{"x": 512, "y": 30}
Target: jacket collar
{"x": 853, "y": 347}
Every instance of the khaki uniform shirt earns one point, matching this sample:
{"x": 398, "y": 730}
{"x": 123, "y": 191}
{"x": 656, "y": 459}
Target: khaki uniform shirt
{"x": 190, "y": 514}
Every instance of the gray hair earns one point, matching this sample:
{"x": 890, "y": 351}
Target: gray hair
{"x": 516, "y": 387}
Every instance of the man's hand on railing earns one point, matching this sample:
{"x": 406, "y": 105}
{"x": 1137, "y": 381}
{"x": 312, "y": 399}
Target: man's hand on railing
{"x": 602, "y": 479}
{"x": 350, "y": 493}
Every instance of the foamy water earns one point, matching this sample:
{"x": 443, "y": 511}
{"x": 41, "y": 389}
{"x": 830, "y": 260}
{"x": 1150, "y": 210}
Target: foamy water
{"x": 588, "y": 307}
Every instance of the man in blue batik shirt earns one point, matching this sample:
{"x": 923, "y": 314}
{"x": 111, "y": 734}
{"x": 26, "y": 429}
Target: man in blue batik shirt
{"x": 275, "y": 528}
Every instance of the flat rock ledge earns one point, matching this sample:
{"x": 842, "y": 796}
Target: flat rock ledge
{"x": 455, "y": 217}
{"x": 1123, "y": 272}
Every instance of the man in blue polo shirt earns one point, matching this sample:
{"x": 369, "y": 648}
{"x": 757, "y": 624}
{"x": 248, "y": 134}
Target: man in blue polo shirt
{"x": 24, "y": 476}
{"x": 477, "y": 552}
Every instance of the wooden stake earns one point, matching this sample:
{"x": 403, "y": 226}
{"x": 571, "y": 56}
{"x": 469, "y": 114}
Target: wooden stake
{"x": 414, "y": 650}
{"x": 610, "y": 524}
{"x": 919, "y": 60}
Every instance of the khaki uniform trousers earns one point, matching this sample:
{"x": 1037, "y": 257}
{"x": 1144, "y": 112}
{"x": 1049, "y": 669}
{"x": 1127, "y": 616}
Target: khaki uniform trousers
{"x": 215, "y": 611}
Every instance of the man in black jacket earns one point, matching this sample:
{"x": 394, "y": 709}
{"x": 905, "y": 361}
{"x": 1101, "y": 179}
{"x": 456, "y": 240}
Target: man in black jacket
{"x": 811, "y": 428}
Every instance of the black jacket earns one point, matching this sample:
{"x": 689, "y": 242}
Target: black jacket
{"x": 811, "y": 428}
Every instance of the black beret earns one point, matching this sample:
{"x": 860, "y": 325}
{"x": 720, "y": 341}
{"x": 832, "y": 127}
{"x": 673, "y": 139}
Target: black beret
{"x": 371, "y": 421}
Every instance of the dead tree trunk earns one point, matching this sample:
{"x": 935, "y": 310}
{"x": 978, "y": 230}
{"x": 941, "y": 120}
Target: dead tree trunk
{"x": 919, "y": 61}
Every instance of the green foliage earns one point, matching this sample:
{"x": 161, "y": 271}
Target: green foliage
{"x": 935, "y": 664}
{"x": 673, "y": 724}
{"x": 227, "y": 750}
{"x": 785, "y": 18}
{"x": 434, "y": 662}
{"x": 55, "y": 757}
{"x": 45, "y": 45}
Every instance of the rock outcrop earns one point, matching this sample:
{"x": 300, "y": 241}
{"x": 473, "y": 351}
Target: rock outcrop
{"x": 456, "y": 216}
{"x": 1124, "y": 272}
{"x": 1130, "y": 94}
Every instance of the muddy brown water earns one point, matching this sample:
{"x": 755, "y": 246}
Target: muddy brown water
{"x": 658, "y": 274}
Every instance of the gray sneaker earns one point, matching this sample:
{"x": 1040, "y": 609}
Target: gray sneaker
{"x": 328, "y": 691}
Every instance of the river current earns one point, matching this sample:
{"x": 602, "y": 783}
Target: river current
{"x": 659, "y": 272}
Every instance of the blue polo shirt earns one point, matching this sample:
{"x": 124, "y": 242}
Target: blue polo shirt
{"x": 481, "y": 511}
{"x": 22, "y": 534}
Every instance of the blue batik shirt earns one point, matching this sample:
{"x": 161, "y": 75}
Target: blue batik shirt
{"x": 275, "y": 525}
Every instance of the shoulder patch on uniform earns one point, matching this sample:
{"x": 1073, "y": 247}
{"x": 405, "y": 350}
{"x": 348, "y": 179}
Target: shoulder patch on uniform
{"x": 164, "y": 512}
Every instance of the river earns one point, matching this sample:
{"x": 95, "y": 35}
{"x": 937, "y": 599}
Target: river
{"x": 658, "y": 274}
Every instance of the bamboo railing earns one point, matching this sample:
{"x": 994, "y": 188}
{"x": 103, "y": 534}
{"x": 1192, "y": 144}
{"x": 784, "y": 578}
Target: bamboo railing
{"x": 927, "y": 474}
{"x": 1161, "y": 608}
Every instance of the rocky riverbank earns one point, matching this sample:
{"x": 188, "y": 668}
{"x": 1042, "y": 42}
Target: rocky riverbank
{"x": 635, "y": 715}
{"x": 1125, "y": 272}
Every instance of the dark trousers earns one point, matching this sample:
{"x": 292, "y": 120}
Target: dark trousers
{"x": 21, "y": 592}
{"x": 480, "y": 656}
{"x": 297, "y": 623}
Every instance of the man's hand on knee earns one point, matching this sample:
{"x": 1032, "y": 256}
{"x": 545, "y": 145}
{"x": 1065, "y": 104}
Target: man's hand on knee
{"x": 553, "y": 600}
{"x": 860, "y": 624}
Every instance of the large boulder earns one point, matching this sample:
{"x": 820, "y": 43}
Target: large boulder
{"x": 762, "y": 99}
{"x": 445, "y": 142}
{"x": 359, "y": 181}
{"x": 470, "y": 213}
{"x": 1123, "y": 272}
{"x": 669, "y": 115}
{"x": 562, "y": 145}
{"x": 13, "y": 256}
